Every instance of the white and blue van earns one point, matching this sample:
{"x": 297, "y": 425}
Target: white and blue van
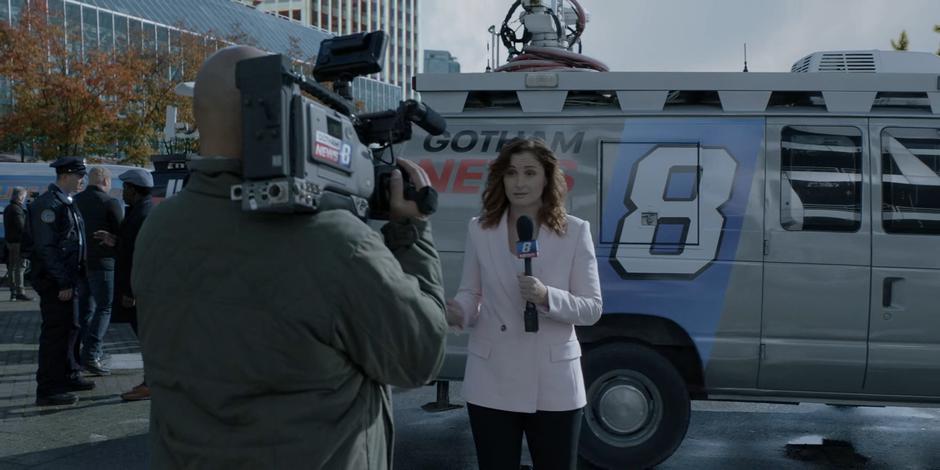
{"x": 760, "y": 236}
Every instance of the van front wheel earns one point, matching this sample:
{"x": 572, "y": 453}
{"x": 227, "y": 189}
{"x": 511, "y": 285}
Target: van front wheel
{"x": 638, "y": 407}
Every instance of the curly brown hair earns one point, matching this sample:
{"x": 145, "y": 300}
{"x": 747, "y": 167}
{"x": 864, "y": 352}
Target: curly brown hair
{"x": 552, "y": 213}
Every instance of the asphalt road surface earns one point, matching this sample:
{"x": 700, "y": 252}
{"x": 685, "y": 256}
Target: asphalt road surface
{"x": 103, "y": 434}
{"x": 722, "y": 435}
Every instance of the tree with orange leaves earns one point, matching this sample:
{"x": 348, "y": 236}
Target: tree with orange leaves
{"x": 61, "y": 93}
{"x": 159, "y": 71}
{"x": 94, "y": 102}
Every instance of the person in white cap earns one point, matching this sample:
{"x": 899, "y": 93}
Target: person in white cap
{"x": 138, "y": 184}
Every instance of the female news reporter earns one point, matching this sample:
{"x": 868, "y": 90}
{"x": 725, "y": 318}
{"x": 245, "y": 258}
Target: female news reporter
{"x": 518, "y": 382}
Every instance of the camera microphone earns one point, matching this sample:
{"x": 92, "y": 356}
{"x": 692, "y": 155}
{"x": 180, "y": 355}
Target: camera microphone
{"x": 425, "y": 117}
{"x": 527, "y": 248}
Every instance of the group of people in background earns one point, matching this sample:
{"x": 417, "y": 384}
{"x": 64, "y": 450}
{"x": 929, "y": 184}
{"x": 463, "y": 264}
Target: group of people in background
{"x": 80, "y": 244}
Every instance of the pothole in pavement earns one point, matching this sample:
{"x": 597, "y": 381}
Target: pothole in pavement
{"x": 831, "y": 452}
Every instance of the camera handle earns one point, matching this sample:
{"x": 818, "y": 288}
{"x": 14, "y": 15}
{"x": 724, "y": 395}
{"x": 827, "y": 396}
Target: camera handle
{"x": 327, "y": 97}
{"x": 425, "y": 198}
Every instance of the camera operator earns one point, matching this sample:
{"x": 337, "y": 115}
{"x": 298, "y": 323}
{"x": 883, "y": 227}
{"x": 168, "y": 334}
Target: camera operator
{"x": 268, "y": 338}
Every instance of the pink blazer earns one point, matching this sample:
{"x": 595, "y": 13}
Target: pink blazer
{"x": 507, "y": 368}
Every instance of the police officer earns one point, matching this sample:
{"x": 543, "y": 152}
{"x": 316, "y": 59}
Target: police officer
{"x": 58, "y": 266}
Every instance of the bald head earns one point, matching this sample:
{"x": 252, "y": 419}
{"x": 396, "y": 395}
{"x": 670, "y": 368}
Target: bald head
{"x": 217, "y": 102}
{"x": 100, "y": 177}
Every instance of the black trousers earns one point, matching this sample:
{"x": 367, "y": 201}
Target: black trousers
{"x": 552, "y": 437}
{"x": 81, "y": 289}
{"x": 57, "y": 339}
{"x": 132, "y": 311}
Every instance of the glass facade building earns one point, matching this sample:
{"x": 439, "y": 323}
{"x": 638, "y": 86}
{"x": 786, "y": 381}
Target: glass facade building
{"x": 398, "y": 18}
{"x": 440, "y": 62}
{"x": 110, "y": 23}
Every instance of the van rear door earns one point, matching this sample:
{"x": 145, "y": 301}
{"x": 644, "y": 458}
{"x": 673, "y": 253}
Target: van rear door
{"x": 904, "y": 344}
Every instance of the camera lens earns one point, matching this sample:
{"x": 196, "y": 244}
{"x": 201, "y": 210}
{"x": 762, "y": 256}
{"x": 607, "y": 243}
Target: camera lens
{"x": 274, "y": 191}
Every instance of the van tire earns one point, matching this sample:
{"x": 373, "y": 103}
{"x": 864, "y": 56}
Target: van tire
{"x": 629, "y": 374}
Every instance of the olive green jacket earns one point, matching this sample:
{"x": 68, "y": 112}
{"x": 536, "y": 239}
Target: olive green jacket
{"x": 267, "y": 338}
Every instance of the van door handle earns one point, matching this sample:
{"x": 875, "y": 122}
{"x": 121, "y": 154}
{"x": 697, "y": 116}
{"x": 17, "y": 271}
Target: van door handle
{"x": 887, "y": 290}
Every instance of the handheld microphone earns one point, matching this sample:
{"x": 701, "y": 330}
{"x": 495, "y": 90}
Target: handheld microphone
{"x": 527, "y": 248}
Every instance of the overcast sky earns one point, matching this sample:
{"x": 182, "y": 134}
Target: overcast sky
{"x": 699, "y": 35}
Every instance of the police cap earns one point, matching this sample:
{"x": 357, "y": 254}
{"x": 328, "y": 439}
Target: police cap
{"x": 138, "y": 177}
{"x": 69, "y": 165}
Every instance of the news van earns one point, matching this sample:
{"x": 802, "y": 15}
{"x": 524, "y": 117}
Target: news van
{"x": 767, "y": 237}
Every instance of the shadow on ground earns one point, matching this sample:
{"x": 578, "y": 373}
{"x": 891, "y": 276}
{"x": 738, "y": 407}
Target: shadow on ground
{"x": 115, "y": 454}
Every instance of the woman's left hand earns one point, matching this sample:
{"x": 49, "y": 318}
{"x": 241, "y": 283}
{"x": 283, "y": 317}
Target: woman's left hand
{"x": 533, "y": 290}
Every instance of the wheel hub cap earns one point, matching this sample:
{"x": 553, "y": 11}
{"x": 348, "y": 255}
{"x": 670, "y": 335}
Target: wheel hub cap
{"x": 623, "y": 408}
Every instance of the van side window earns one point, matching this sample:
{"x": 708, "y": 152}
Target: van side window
{"x": 910, "y": 181}
{"x": 821, "y": 178}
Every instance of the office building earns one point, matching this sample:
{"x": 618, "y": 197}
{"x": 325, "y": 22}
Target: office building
{"x": 398, "y": 18}
{"x": 440, "y": 62}
{"x": 109, "y": 23}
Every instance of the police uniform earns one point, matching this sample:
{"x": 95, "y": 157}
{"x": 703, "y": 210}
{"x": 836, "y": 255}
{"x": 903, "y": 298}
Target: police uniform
{"x": 58, "y": 263}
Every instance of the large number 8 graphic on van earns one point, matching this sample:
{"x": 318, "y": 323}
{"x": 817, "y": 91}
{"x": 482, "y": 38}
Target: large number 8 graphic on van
{"x": 673, "y": 227}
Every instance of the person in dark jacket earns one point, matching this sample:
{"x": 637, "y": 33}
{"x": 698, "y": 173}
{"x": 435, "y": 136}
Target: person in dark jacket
{"x": 14, "y": 226}
{"x": 138, "y": 184}
{"x": 58, "y": 267}
{"x": 100, "y": 211}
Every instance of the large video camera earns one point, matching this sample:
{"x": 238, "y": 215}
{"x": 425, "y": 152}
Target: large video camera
{"x": 306, "y": 155}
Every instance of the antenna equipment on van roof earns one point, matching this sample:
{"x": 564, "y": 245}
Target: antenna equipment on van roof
{"x": 745, "y": 57}
{"x": 547, "y": 39}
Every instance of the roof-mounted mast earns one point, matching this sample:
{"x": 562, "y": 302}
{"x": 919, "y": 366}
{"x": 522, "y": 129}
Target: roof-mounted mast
{"x": 550, "y": 32}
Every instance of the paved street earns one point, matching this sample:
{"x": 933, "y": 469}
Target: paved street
{"x": 73, "y": 436}
{"x": 102, "y": 433}
{"x": 722, "y": 436}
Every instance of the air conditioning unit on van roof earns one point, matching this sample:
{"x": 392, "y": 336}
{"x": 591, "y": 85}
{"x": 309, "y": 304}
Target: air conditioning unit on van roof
{"x": 868, "y": 62}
